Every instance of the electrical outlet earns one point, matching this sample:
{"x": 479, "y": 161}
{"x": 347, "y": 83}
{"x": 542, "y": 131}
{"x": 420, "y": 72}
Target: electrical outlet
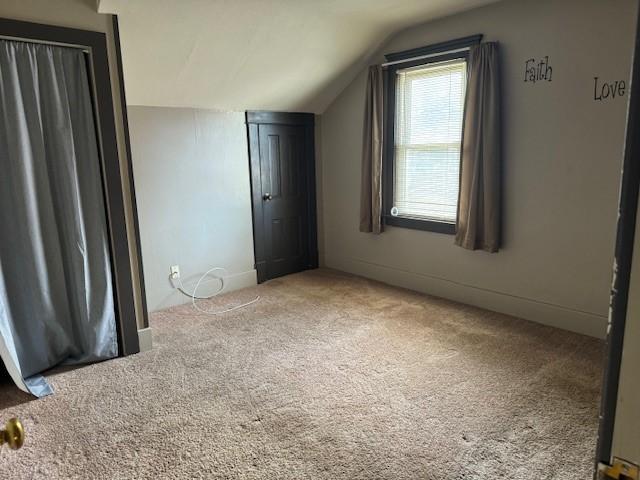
{"x": 175, "y": 271}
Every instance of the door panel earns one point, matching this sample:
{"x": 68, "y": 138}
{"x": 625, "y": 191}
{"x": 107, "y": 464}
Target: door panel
{"x": 284, "y": 203}
{"x": 284, "y": 208}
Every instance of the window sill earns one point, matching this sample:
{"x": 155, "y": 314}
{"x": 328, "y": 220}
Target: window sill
{"x": 424, "y": 225}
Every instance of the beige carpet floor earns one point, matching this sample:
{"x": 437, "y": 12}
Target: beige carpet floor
{"x": 329, "y": 376}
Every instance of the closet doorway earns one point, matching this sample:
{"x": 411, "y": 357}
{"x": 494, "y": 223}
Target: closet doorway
{"x": 66, "y": 261}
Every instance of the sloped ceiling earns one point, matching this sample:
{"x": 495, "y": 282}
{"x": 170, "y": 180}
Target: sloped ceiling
{"x": 288, "y": 55}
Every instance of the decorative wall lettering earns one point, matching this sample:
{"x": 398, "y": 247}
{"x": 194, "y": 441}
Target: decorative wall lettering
{"x": 535, "y": 72}
{"x": 608, "y": 90}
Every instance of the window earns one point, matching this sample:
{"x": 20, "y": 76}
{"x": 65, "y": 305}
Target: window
{"x": 425, "y": 116}
{"x": 429, "y": 107}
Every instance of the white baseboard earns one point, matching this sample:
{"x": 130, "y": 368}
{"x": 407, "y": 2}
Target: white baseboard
{"x": 234, "y": 281}
{"x": 146, "y": 339}
{"x": 240, "y": 280}
{"x": 558, "y": 316}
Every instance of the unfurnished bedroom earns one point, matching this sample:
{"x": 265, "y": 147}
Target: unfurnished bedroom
{"x": 319, "y": 239}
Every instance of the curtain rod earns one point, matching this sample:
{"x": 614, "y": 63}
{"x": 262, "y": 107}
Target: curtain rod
{"x": 42, "y": 42}
{"x": 431, "y": 55}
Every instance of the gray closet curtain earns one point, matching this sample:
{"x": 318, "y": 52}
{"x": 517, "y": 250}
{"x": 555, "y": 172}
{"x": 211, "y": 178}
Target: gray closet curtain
{"x": 478, "y": 225}
{"x": 372, "y": 145}
{"x": 56, "y": 298}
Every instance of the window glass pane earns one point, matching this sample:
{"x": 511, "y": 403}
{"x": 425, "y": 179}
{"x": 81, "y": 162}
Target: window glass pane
{"x": 429, "y": 112}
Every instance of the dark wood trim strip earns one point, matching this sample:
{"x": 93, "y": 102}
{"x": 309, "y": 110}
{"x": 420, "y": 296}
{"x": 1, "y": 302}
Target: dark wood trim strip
{"x": 97, "y": 43}
{"x": 629, "y": 190}
{"x": 311, "y": 192}
{"x": 26, "y": 31}
{"x": 257, "y": 210}
{"x": 132, "y": 187}
{"x": 388, "y": 146}
{"x": 435, "y": 48}
{"x": 424, "y": 225}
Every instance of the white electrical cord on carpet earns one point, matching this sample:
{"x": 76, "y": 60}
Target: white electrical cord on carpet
{"x": 176, "y": 277}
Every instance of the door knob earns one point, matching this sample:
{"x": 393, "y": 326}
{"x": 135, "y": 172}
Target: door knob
{"x": 267, "y": 197}
{"x": 13, "y": 434}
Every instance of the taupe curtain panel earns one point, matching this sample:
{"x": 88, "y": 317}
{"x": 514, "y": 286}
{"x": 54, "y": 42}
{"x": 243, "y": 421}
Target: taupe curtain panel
{"x": 371, "y": 191}
{"x": 478, "y": 225}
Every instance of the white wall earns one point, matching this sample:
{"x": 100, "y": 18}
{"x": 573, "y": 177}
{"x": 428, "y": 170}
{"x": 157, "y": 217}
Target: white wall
{"x": 562, "y": 158}
{"x": 83, "y": 14}
{"x": 193, "y": 192}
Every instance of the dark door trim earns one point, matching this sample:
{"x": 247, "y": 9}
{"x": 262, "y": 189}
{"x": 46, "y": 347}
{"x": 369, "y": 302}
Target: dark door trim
{"x": 132, "y": 187}
{"x": 626, "y": 228}
{"x": 96, "y": 44}
{"x": 255, "y": 118}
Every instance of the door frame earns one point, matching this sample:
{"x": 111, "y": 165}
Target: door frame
{"x": 95, "y": 46}
{"x": 628, "y": 207}
{"x": 254, "y": 119}
{"x": 132, "y": 186}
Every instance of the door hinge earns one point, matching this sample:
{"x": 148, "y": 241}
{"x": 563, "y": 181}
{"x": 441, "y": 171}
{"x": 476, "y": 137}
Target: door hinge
{"x": 620, "y": 470}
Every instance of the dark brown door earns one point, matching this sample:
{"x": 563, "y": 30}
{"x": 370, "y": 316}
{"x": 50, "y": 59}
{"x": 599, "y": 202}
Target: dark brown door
{"x": 283, "y": 191}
